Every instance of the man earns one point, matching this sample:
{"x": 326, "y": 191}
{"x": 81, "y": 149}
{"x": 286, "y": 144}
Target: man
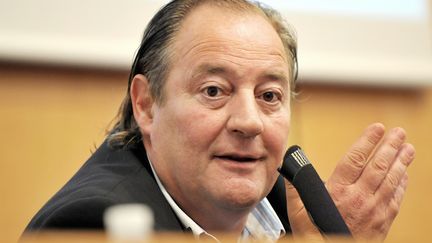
{"x": 203, "y": 129}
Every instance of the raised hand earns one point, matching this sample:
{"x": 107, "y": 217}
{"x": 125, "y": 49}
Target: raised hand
{"x": 367, "y": 185}
{"x": 369, "y": 182}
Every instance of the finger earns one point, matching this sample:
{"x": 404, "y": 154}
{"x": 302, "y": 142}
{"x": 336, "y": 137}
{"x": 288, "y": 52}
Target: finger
{"x": 396, "y": 173}
{"x": 397, "y": 198}
{"x": 353, "y": 163}
{"x": 382, "y": 159}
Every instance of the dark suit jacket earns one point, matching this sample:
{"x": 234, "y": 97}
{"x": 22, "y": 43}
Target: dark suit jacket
{"x": 112, "y": 177}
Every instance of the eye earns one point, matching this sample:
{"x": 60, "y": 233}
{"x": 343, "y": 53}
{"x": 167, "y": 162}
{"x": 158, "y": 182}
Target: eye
{"x": 270, "y": 97}
{"x": 213, "y": 95}
{"x": 212, "y": 91}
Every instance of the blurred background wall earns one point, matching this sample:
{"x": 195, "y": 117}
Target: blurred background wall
{"x": 61, "y": 86}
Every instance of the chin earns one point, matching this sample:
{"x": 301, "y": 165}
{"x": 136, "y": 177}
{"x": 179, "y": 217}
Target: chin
{"x": 243, "y": 195}
{"x": 245, "y": 202}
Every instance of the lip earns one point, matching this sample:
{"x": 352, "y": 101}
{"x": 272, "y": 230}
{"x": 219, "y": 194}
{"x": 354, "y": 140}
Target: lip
{"x": 239, "y": 161}
{"x": 232, "y": 166}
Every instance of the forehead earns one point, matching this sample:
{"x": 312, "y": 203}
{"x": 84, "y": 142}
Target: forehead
{"x": 210, "y": 28}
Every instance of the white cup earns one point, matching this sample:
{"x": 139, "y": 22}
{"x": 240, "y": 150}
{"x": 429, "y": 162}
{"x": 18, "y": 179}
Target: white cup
{"x": 129, "y": 222}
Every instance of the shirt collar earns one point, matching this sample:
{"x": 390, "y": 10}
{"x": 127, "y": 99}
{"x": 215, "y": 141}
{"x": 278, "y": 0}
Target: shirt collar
{"x": 187, "y": 222}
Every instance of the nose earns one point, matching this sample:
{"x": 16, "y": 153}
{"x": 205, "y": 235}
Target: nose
{"x": 245, "y": 119}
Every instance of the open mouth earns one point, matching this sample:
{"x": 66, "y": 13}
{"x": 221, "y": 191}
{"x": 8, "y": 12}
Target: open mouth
{"x": 237, "y": 158}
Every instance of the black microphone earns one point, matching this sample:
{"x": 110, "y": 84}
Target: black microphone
{"x": 299, "y": 171}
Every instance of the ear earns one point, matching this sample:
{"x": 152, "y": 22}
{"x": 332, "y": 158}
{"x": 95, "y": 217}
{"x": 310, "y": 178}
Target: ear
{"x": 142, "y": 103}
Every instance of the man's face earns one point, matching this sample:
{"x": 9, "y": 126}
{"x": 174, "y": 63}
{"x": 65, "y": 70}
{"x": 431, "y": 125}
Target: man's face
{"x": 221, "y": 132}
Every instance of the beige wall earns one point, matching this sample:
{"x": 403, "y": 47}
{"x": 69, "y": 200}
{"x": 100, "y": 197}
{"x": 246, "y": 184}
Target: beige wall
{"x": 52, "y": 118}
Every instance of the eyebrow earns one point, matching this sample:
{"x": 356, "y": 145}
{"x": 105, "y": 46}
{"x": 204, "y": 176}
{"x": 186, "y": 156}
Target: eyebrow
{"x": 279, "y": 76}
{"x": 273, "y": 75}
{"x": 208, "y": 68}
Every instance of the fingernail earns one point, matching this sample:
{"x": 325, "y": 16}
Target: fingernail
{"x": 399, "y": 132}
{"x": 378, "y": 127}
{"x": 410, "y": 150}
{"x": 378, "y": 130}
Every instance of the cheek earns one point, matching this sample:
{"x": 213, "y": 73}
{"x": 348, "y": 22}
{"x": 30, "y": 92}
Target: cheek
{"x": 276, "y": 142}
{"x": 195, "y": 128}
{"x": 277, "y": 135}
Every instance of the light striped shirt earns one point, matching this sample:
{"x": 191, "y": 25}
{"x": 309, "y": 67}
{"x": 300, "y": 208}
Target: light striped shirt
{"x": 262, "y": 222}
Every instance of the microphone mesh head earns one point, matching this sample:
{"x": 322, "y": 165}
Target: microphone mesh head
{"x": 294, "y": 160}
{"x": 299, "y": 157}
